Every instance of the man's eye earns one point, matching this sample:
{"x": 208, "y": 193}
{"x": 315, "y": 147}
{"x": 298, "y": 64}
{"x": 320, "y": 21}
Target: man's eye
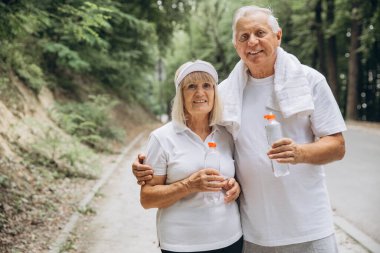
{"x": 243, "y": 37}
{"x": 261, "y": 33}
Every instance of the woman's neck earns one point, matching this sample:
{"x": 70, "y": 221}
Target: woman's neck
{"x": 199, "y": 125}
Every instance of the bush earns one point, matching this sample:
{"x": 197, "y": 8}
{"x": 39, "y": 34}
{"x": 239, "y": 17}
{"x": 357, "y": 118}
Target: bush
{"x": 89, "y": 121}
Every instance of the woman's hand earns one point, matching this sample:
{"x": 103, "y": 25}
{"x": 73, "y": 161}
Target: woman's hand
{"x": 232, "y": 189}
{"x": 205, "y": 180}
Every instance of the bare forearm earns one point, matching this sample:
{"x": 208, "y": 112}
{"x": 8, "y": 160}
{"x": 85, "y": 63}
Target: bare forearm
{"x": 325, "y": 150}
{"x": 161, "y": 196}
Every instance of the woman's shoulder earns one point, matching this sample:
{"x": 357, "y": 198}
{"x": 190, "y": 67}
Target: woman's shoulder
{"x": 163, "y": 130}
{"x": 224, "y": 132}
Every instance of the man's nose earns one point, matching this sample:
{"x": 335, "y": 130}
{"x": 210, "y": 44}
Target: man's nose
{"x": 252, "y": 39}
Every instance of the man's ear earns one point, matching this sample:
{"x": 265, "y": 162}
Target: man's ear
{"x": 279, "y": 36}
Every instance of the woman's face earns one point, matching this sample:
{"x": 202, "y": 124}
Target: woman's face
{"x": 198, "y": 97}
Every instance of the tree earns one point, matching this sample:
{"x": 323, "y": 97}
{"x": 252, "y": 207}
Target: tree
{"x": 318, "y": 26}
{"x": 332, "y": 54}
{"x": 353, "y": 63}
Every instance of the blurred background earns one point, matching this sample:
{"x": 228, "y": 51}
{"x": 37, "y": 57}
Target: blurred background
{"x": 79, "y": 79}
{"x": 132, "y": 48}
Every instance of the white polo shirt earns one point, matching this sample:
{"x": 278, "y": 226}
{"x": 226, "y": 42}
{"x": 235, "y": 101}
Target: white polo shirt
{"x": 295, "y": 208}
{"x": 191, "y": 224}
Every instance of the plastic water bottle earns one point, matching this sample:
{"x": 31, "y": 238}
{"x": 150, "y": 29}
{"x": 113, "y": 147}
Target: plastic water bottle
{"x": 274, "y": 133}
{"x": 212, "y": 160}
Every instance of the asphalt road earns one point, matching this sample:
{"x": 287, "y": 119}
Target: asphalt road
{"x": 354, "y": 182}
{"x": 119, "y": 224}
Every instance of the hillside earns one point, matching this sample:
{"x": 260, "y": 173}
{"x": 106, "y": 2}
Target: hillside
{"x": 51, "y": 150}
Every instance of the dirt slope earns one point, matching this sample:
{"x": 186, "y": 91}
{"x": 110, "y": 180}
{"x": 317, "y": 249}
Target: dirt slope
{"x": 38, "y": 188}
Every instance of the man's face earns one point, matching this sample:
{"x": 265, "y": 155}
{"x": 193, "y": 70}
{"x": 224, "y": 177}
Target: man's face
{"x": 256, "y": 44}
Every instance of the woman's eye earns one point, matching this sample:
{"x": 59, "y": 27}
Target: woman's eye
{"x": 192, "y": 87}
{"x": 243, "y": 37}
{"x": 207, "y": 86}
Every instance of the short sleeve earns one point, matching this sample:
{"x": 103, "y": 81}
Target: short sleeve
{"x": 156, "y": 156}
{"x": 326, "y": 118}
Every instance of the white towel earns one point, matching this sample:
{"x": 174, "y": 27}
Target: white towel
{"x": 292, "y": 92}
{"x": 291, "y": 95}
{"x": 231, "y": 93}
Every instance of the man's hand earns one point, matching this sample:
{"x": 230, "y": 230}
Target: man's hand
{"x": 326, "y": 149}
{"x": 285, "y": 150}
{"x": 232, "y": 189}
{"x": 142, "y": 171}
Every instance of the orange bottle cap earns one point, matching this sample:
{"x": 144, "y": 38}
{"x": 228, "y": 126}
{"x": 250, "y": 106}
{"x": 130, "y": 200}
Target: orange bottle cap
{"x": 270, "y": 116}
{"x": 212, "y": 144}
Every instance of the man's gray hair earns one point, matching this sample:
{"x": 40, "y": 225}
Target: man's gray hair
{"x": 252, "y": 9}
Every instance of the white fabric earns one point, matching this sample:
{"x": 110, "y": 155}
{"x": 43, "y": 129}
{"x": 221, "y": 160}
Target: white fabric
{"x": 295, "y": 208}
{"x": 324, "y": 245}
{"x": 191, "y": 224}
{"x": 291, "y": 95}
{"x": 197, "y": 65}
{"x": 231, "y": 93}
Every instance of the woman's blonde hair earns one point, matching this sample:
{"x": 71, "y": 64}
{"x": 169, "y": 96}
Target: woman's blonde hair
{"x": 178, "y": 107}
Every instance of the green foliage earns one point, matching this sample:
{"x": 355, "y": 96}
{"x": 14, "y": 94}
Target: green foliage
{"x": 51, "y": 149}
{"x": 29, "y": 72}
{"x": 82, "y": 24}
{"x": 89, "y": 121}
{"x": 66, "y": 58}
{"x": 4, "y": 183}
{"x": 87, "y": 210}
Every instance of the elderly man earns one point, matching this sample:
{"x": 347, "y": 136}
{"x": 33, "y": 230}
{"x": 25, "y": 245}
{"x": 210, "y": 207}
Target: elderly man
{"x": 290, "y": 213}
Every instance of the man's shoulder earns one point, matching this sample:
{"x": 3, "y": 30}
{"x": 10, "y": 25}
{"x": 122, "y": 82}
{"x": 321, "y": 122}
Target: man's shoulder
{"x": 313, "y": 75}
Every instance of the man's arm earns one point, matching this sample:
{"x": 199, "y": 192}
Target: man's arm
{"x": 325, "y": 150}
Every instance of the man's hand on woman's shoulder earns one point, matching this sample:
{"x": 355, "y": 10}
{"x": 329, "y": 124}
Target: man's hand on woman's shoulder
{"x": 141, "y": 171}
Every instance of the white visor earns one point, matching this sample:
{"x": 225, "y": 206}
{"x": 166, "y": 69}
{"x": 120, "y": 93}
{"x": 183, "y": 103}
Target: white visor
{"x": 191, "y": 67}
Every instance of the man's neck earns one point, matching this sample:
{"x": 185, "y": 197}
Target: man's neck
{"x": 261, "y": 74}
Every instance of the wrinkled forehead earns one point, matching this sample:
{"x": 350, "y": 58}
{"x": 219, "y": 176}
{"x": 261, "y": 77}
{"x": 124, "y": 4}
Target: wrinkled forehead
{"x": 254, "y": 20}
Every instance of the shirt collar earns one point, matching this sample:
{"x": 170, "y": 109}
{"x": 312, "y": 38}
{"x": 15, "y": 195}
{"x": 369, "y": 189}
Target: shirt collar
{"x": 179, "y": 127}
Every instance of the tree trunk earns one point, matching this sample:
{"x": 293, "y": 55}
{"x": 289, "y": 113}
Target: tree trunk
{"x": 320, "y": 37}
{"x": 353, "y": 65}
{"x": 332, "y": 55}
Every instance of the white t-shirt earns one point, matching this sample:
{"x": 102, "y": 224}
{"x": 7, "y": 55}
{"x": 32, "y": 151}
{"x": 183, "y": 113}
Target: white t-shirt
{"x": 295, "y": 208}
{"x": 192, "y": 224}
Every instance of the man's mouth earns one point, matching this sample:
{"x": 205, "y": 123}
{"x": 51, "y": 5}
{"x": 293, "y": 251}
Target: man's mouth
{"x": 254, "y": 52}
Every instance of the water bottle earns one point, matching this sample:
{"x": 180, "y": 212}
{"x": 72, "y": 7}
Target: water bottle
{"x": 212, "y": 160}
{"x": 274, "y": 133}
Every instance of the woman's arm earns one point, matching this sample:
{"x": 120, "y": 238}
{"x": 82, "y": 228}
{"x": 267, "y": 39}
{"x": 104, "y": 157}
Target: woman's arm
{"x": 155, "y": 194}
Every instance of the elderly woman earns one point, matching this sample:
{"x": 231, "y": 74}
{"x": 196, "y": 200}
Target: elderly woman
{"x": 186, "y": 222}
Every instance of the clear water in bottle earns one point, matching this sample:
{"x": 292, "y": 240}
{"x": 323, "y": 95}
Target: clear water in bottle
{"x": 274, "y": 133}
{"x": 212, "y": 160}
